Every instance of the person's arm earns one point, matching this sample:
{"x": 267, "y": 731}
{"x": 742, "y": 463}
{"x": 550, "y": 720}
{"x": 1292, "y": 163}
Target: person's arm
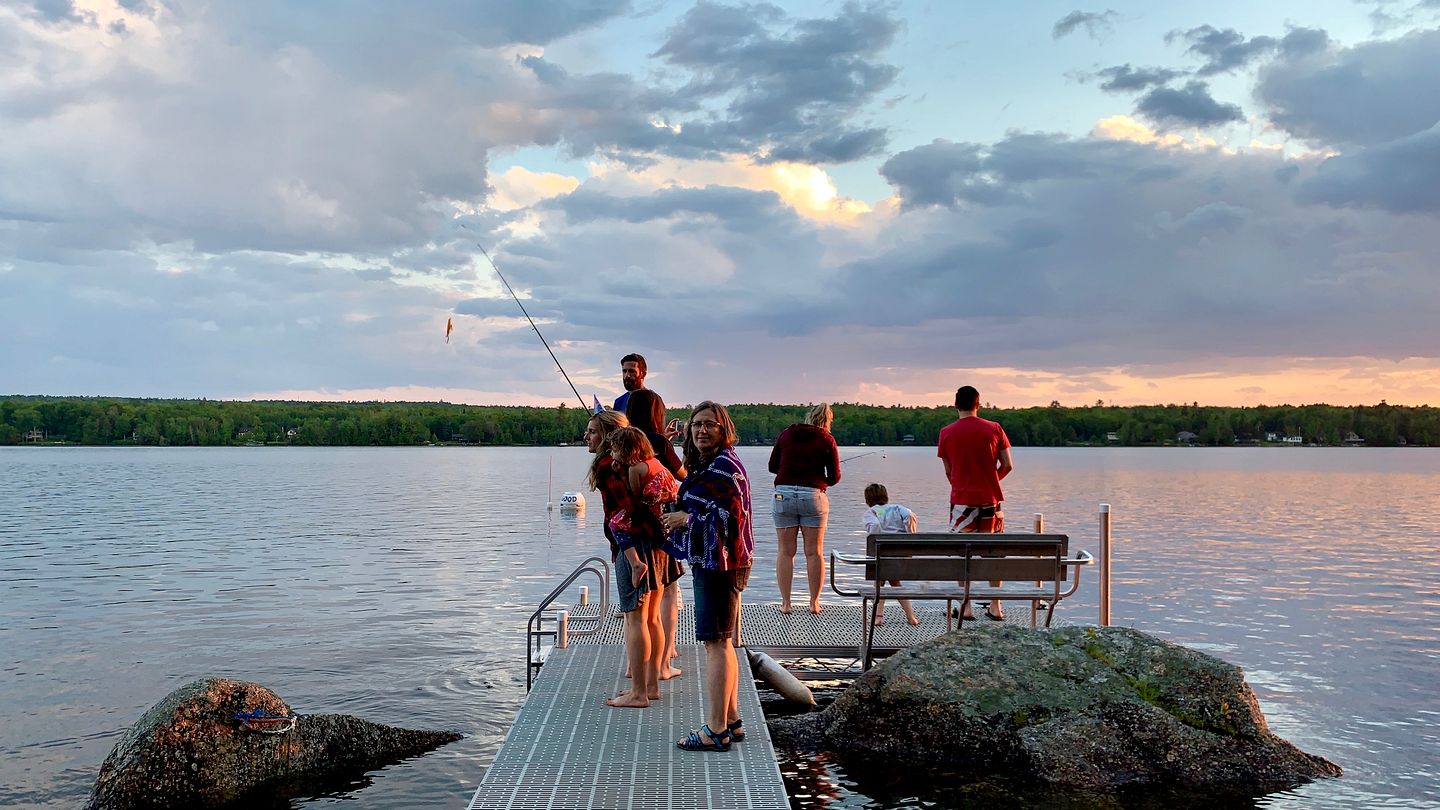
{"x": 872, "y": 523}
{"x": 775, "y": 454}
{"x": 832, "y": 476}
{"x": 635, "y": 479}
{"x": 672, "y": 462}
{"x": 1005, "y": 464}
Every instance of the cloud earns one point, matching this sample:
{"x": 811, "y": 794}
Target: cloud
{"x": 1191, "y": 105}
{"x": 1402, "y": 176}
{"x": 799, "y": 89}
{"x": 1124, "y": 78}
{"x": 1223, "y": 50}
{"x": 1095, "y": 23}
{"x": 1362, "y": 95}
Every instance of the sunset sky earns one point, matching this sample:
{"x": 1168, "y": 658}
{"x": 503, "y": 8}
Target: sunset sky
{"x": 1230, "y": 203}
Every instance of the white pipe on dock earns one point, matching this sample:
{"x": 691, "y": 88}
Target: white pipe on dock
{"x": 584, "y": 594}
{"x": 562, "y": 630}
{"x": 1104, "y": 565}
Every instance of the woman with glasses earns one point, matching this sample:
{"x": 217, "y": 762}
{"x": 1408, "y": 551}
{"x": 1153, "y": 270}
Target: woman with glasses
{"x": 712, "y": 529}
{"x": 805, "y": 461}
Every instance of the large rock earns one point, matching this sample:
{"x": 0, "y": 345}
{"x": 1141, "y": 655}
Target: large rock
{"x": 189, "y": 751}
{"x": 1095, "y": 709}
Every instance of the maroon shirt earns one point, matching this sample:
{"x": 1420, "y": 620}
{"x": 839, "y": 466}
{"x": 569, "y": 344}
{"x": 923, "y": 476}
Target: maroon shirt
{"x": 805, "y": 456}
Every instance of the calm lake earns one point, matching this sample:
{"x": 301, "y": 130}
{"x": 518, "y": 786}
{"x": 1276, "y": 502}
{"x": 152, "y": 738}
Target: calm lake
{"x": 394, "y": 584}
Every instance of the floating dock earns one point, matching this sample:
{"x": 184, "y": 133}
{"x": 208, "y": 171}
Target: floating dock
{"x": 568, "y": 749}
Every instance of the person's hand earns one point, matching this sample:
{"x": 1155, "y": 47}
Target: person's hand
{"x": 674, "y": 520}
{"x": 638, "y": 570}
{"x": 673, "y": 429}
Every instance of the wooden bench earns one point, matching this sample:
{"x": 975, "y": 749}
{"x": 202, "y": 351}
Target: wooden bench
{"x": 959, "y": 567}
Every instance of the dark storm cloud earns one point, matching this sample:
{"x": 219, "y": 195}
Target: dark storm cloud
{"x": 1402, "y": 176}
{"x": 1124, "y": 78}
{"x": 1223, "y": 50}
{"x": 1191, "y": 105}
{"x": 1363, "y": 95}
{"x": 1095, "y": 23}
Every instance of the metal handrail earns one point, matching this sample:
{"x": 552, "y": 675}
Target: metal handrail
{"x": 534, "y": 628}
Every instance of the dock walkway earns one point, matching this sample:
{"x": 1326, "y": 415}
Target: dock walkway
{"x": 567, "y": 749}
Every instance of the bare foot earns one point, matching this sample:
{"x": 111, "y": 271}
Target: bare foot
{"x": 670, "y": 672}
{"x": 912, "y": 619}
{"x": 815, "y": 607}
{"x": 785, "y": 609}
{"x": 626, "y": 700}
{"x": 879, "y": 620}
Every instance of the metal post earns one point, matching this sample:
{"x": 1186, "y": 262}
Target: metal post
{"x": 562, "y": 631}
{"x": 1035, "y": 603}
{"x": 584, "y": 594}
{"x": 1104, "y": 565}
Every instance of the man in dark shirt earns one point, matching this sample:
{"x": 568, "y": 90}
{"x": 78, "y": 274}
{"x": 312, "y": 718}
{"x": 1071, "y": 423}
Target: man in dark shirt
{"x": 632, "y": 376}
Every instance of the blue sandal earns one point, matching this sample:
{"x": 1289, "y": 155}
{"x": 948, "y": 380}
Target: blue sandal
{"x": 718, "y": 742}
{"x": 736, "y": 729}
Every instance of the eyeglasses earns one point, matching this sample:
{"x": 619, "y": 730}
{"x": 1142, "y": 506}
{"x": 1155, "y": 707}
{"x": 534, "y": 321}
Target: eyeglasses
{"x": 705, "y": 424}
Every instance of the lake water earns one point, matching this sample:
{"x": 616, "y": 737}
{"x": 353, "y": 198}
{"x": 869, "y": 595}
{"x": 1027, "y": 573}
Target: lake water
{"x": 394, "y": 584}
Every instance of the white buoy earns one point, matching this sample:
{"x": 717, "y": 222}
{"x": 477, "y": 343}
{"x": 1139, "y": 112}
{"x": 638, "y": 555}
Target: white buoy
{"x": 780, "y": 679}
{"x": 572, "y": 502}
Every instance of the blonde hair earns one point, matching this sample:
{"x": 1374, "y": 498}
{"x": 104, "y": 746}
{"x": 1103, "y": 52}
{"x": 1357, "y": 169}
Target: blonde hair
{"x": 630, "y": 446}
{"x": 821, "y": 416}
{"x": 609, "y": 421}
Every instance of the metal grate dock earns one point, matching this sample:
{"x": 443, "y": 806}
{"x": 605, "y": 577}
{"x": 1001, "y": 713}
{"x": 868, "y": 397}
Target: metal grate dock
{"x": 834, "y": 633}
{"x": 569, "y": 750}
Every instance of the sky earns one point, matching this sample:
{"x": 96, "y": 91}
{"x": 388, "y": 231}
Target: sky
{"x": 1225, "y": 203}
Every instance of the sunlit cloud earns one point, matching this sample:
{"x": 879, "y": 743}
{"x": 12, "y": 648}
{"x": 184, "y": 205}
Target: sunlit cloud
{"x": 807, "y": 189}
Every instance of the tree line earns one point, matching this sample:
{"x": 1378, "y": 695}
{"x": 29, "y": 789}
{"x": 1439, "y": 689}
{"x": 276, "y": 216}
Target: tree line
{"x": 204, "y": 422}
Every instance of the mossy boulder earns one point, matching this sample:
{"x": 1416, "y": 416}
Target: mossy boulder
{"x": 189, "y": 751}
{"x": 1094, "y": 709}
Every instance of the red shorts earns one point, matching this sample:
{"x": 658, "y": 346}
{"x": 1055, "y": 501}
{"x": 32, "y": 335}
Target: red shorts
{"x": 982, "y": 519}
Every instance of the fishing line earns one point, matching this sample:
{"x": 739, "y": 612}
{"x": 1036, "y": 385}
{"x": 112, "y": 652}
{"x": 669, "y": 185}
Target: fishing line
{"x": 508, "y": 288}
{"x": 862, "y": 455}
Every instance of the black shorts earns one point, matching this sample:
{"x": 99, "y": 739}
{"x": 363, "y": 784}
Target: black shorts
{"x": 717, "y": 602}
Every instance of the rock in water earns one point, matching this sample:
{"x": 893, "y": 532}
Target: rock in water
{"x": 1095, "y": 709}
{"x": 189, "y": 751}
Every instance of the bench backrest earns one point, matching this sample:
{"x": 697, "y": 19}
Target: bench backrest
{"x": 957, "y": 557}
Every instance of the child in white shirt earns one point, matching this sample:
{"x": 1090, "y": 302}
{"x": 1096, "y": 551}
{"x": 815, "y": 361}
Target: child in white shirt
{"x": 884, "y": 517}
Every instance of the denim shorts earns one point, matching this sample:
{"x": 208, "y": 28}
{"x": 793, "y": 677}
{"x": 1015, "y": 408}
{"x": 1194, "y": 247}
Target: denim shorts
{"x": 624, "y": 584}
{"x": 717, "y": 601}
{"x": 807, "y": 507}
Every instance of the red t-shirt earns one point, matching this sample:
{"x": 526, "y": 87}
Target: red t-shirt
{"x": 973, "y": 447}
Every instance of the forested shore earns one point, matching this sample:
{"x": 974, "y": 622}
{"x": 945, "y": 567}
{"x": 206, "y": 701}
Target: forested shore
{"x": 203, "y": 422}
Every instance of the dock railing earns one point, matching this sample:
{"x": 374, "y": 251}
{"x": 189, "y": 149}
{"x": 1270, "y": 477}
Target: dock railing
{"x": 535, "y": 630}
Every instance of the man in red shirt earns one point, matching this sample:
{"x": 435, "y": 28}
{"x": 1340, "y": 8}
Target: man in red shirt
{"x": 976, "y": 454}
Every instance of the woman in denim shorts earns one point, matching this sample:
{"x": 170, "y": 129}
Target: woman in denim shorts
{"x": 805, "y": 461}
{"x": 712, "y": 529}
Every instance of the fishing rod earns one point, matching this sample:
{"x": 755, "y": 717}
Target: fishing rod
{"x": 862, "y": 455}
{"x": 496, "y": 268}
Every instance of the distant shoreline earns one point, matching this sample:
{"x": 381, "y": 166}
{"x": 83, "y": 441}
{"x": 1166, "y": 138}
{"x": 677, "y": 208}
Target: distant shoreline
{"x": 101, "y": 421}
